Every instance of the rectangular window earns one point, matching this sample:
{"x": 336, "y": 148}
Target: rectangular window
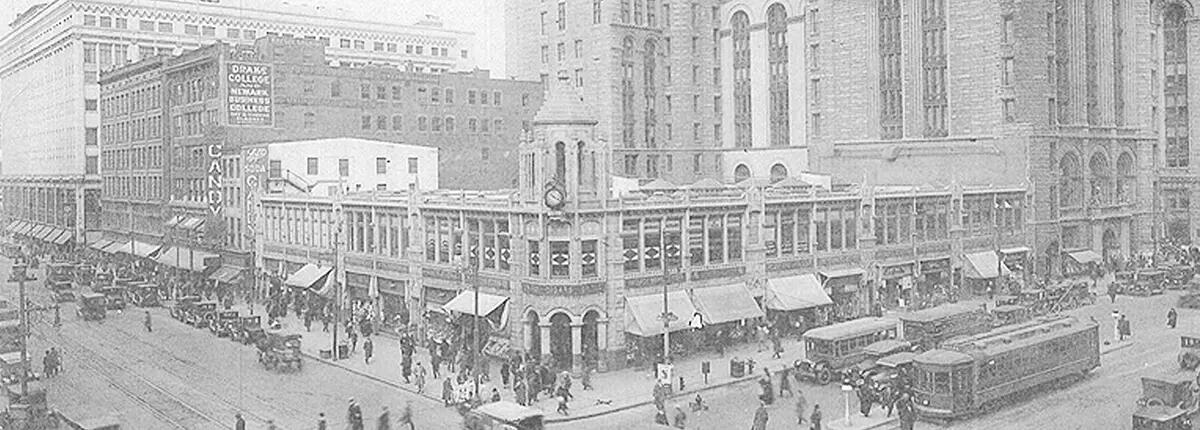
{"x": 596, "y": 11}
{"x": 275, "y": 169}
{"x": 366, "y": 122}
{"x": 312, "y": 166}
{"x": 361, "y": 45}
{"x": 1007, "y": 29}
{"x": 562, "y": 51}
{"x": 146, "y": 25}
{"x": 560, "y": 259}
{"x": 166, "y": 27}
{"x": 208, "y": 31}
{"x": 105, "y": 21}
{"x": 343, "y": 167}
{"x": 562, "y": 15}
{"x": 89, "y": 53}
{"x": 89, "y": 105}
{"x": 381, "y": 122}
{"x": 1006, "y": 77}
{"x": 381, "y": 165}
{"x": 90, "y": 136}
{"x": 191, "y": 29}
{"x": 91, "y": 165}
{"x": 1009, "y": 107}
{"x": 233, "y": 33}
{"x": 250, "y": 34}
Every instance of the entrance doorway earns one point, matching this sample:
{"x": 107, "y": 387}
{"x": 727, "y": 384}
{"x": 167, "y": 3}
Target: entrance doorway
{"x": 560, "y": 340}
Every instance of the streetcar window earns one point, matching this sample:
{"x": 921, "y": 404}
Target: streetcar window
{"x": 941, "y": 382}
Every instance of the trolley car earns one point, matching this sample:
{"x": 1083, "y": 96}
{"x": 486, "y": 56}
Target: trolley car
{"x": 981, "y": 373}
{"x": 929, "y": 327}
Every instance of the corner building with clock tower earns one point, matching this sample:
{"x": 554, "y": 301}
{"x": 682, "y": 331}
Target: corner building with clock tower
{"x": 573, "y": 266}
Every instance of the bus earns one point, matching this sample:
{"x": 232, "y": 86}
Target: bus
{"x": 839, "y": 346}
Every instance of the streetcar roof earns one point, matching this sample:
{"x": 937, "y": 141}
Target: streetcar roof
{"x": 942, "y": 357}
{"x": 1006, "y": 339}
{"x": 939, "y": 312}
{"x": 852, "y": 328}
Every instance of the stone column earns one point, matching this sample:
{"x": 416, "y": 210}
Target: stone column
{"x": 602, "y": 351}
{"x": 544, "y": 326}
{"x": 576, "y": 347}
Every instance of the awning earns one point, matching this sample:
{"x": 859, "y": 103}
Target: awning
{"x": 27, "y": 229}
{"x": 1085, "y": 256}
{"x": 116, "y": 246}
{"x": 795, "y": 293}
{"x": 43, "y": 232}
{"x": 182, "y": 257}
{"x": 174, "y": 221}
{"x": 168, "y": 256}
{"x": 225, "y": 274}
{"x": 492, "y": 308}
{"x": 842, "y": 273}
{"x": 12, "y": 226}
{"x": 984, "y": 265}
{"x": 62, "y": 238}
{"x": 99, "y": 245}
{"x": 724, "y": 304}
{"x": 191, "y": 223}
{"x": 140, "y": 249}
{"x": 307, "y": 276}
{"x": 642, "y": 313}
{"x": 1017, "y": 250}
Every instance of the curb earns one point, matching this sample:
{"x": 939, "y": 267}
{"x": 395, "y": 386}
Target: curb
{"x": 887, "y": 422}
{"x": 570, "y": 418}
{"x": 371, "y": 377}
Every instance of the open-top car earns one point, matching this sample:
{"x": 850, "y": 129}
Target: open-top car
{"x": 183, "y": 306}
{"x": 116, "y": 297}
{"x": 92, "y": 306}
{"x": 224, "y": 324}
{"x": 279, "y": 349}
{"x": 249, "y": 330}
{"x": 202, "y": 314}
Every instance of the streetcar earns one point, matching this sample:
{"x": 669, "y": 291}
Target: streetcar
{"x": 833, "y": 348}
{"x": 927, "y": 328}
{"x": 1009, "y": 314}
{"x": 503, "y": 415}
{"x": 981, "y": 373}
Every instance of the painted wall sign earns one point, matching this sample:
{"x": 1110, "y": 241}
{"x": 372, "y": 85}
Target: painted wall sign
{"x": 215, "y": 171}
{"x": 250, "y": 95}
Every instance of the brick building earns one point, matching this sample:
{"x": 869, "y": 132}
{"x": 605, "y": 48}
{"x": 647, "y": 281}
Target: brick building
{"x": 214, "y": 100}
{"x": 1062, "y": 96}
{"x": 576, "y": 273}
{"x": 51, "y": 59}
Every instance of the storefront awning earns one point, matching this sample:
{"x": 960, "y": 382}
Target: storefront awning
{"x": 464, "y": 303}
{"x": 62, "y": 237}
{"x": 1016, "y": 250}
{"x": 642, "y": 313}
{"x": 191, "y": 223}
{"x": 140, "y": 249}
{"x": 12, "y": 226}
{"x": 168, "y": 256}
{"x": 842, "y": 273}
{"x": 174, "y": 221}
{"x": 99, "y": 245}
{"x": 795, "y": 293}
{"x": 225, "y": 274}
{"x": 28, "y": 229}
{"x": 1085, "y": 256}
{"x": 984, "y": 265}
{"x": 307, "y": 276}
{"x": 725, "y": 303}
{"x": 182, "y": 257}
{"x": 115, "y": 246}
{"x": 43, "y": 232}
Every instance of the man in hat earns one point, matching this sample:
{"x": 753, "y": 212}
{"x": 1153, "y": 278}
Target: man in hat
{"x": 354, "y": 416}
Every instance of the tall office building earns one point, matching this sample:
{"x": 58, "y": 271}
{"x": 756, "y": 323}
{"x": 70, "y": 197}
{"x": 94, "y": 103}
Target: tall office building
{"x": 1061, "y": 95}
{"x": 50, "y": 63}
{"x": 648, "y": 68}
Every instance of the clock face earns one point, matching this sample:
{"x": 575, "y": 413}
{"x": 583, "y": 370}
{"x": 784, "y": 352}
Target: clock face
{"x": 555, "y": 198}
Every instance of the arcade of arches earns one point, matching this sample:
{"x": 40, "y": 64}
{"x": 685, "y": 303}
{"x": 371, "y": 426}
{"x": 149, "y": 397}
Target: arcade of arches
{"x": 566, "y": 340}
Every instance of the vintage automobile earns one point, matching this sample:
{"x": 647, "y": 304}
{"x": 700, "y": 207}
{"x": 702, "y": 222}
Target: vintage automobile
{"x": 1161, "y": 418}
{"x": 84, "y": 274}
{"x": 1179, "y": 276}
{"x": 107, "y": 422}
{"x": 91, "y": 306}
{"x": 182, "y": 306}
{"x": 144, "y": 295}
{"x": 1147, "y": 283}
{"x": 249, "y": 330}
{"x": 202, "y": 314}
{"x": 101, "y": 279}
{"x": 224, "y": 324}
{"x": 503, "y": 415}
{"x": 116, "y": 297}
{"x": 1189, "y": 358}
{"x": 60, "y": 272}
{"x": 280, "y": 350}
{"x": 61, "y": 291}
{"x": 831, "y": 349}
{"x": 1009, "y": 314}
{"x": 1007, "y": 300}
{"x": 11, "y": 368}
{"x": 1169, "y": 386}
{"x": 891, "y": 367}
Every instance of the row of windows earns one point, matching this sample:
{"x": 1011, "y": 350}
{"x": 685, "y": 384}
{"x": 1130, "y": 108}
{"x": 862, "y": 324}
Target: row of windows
{"x": 434, "y": 95}
{"x": 434, "y": 51}
{"x": 132, "y": 130}
{"x": 148, "y": 157}
{"x": 135, "y": 187}
{"x": 1034, "y": 359}
{"x": 434, "y": 124}
{"x": 137, "y": 100}
{"x": 193, "y": 123}
{"x": 105, "y": 54}
{"x": 446, "y": 240}
{"x": 1175, "y": 62}
{"x": 313, "y": 166}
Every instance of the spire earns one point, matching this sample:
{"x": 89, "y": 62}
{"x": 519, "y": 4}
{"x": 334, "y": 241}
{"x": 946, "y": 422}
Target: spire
{"x": 563, "y": 105}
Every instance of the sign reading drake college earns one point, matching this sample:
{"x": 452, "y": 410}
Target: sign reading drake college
{"x": 250, "y": 94}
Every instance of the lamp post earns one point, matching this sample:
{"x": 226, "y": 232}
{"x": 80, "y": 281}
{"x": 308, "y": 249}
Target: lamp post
{"x": 19, "y": 273}
{"x": 470, "y": 279}
{"x": 666, "y": 315}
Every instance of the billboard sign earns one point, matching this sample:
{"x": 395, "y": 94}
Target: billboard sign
{"x": 250, "y": 94}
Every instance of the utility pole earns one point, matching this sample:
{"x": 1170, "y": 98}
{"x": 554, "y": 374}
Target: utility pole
{"x": 666, "y": 316}
{"x": 19, "y": 273}
{"x": 470, "y": 273}
{"x": 339, "y": 273}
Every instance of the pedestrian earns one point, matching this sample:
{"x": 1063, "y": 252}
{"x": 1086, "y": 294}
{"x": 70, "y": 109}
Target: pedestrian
{"x": 239, "y": 423}
{"x": 447, "y": 390}
{"x": 680, "y": 417}
{"x": 321, "y": 424}
{"x": 801, "y": 405}
{"x": 385, "y": 420}
{"x": 504, "y": 372}
{"x": 57, "y": 317}
{"x": 48, "y": 364}
{"x": 660, "y": 417}
{"x": 325, "y": 322}
{"x": 785, "y": 382}
{"x": 777, "y": 346}
{"x": 1172, "y": 316}
{"x": 904, "y": 409}
{"x": 308, "y": 321}
{"x": 368, "y": 349}
{"x": 1123, "y": 326}
{"x": 406, "y": 368}
{"x": 353, "y": 338}
{"x": 562, "y": 404}
{"x": 354, "y": 416}
{"x": 406, "y": 416}
{"x": 495, "y": 395}
{"x": 760, "y": 417}
{"x": 1112, "y": 292}
{"x": 420, "y": 378}
{"x": 816, "y": 417}
{"x": 866, "y": 398}
{"x": 1116, "y": 316}
{"x": 586, "y": 379}
{"x": 271, "y": 425}
{"x": 435, "y": 360}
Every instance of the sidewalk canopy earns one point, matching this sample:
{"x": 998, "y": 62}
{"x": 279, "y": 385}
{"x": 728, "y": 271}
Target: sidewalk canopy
{"x": 174, "y": 221}
{"x": 1016, "y": 250}
{"x": 42, "y": 232}
{"x": 984, "y": 265}
{"x": 191, "y": 223}
{"x": 842, "y": 273}
{"x": 724, "y": 304}
{"x": 168, "y": 256}
{"x": 27, "y": 229}
{"x": 642, "y": 313}
{"x": 464, "y": 303}
{"x": 140, "y": 249}
{"x": 225, "y": 274}
{"x": 182, "y": 257}
{"x": 100, "y": 244}
{"x": 1086, "y": 256}
{"x": 12, "y": 226}
{"x": 114, "y": 246}
{"x": 795, "y": 293}
{"x": 307, "y": 276}
{"x": 63, "y": 237}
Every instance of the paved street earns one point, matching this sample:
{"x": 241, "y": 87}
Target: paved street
{"x": 181, "y": 377}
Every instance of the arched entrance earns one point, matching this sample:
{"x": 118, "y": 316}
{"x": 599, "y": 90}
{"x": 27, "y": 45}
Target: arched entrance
{"x": 560, "y": 340}
{"x": 741, "y": 173}
{"x": 778, "y": 173}
{"x": 533, "y": 332}
{"x": 589, "y": 337}
{"x": 1111, "y": 247}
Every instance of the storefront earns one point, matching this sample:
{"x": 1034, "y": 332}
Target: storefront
{"x": 845, "y": 289}
{"x": 897, "y": 284}
{"x": 722, "y": 311}
{"x": 796, "y": 303}
{"x": 391, "y": 299}
{"x": 1082, "y": 262}
{"x": 644, "y": 327}
{"x": 981, "y": 270}
{"x": 935, "y": 275}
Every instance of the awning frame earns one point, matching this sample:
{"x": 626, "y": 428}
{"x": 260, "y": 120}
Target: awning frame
{"x": 725, "y": 303}
{"x": 642, "y": 313}
{"x": 307, "y": 276}
{"x": 794, "y": 293}
{"x": 984, "y": 265}
{"x": 1085, "y": 256}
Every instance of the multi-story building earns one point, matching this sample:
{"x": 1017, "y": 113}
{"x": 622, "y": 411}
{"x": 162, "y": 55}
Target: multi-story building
{"x": 51, "y": 59}
{"x": 327, "y": 167}
{"x": 215, "y": 100}
{"x": 1059, "y": 95}
{"x": 652, "y": 70}
{"x": 571, "y": 271}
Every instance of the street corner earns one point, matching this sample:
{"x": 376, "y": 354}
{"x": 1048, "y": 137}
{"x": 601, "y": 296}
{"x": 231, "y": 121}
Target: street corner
{"x": 1108, "y": 347}
{"x": 877, "y": 421}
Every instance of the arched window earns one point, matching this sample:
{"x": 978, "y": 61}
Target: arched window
{"x": 740, "y": 23}
{"x": 1069, "y": 191}
{"x": 627, "y": 115}
{"x": 1125, "y": 178}
{"x": 560, "y": 162}
{"x": 585, "y": 170}
{"x": 777, "y": 63}
{"x": 1175, "y": 89}
{"x": 741, "y": 173}
{"x": 648, "y": 90}
{"x": 778, "y": 173}
{"x": 1101, "y": 179}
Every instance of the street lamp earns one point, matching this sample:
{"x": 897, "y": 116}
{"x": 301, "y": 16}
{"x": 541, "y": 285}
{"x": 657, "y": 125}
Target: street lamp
{"x": 667, "y": 316}
{"x": 470, "y": 278}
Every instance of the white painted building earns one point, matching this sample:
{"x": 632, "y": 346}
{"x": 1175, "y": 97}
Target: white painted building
{"x": 51, "y": 59}
{"x": 319, "y": 167}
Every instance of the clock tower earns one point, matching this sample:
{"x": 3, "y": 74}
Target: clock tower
{"x": 565, "y": 165}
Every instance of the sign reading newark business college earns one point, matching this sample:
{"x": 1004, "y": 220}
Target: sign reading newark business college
{"x": 250, "y": 95}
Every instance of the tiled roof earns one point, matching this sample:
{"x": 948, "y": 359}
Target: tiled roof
{"x": 563, "y": 105}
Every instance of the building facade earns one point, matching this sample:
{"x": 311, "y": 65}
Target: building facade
{"x": 51, "y": 60}
{"x": 329, "y": 167}
{"x": 219, "y": 98}
{"x": 576, "y": 272}
{"x": 1061, "y": 96}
